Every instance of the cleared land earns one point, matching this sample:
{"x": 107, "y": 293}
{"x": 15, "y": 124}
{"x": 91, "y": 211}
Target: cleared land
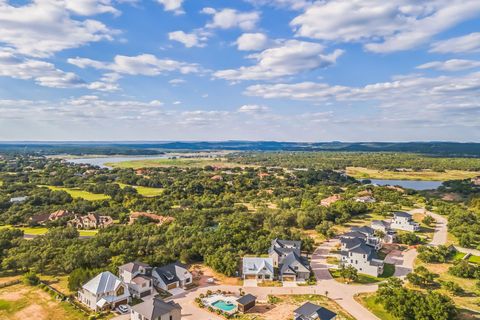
{"x": 78, "y": 193}
{"x": 144, "y": 191}
{"x": 388, "y": 271}
{"x": 38, "y": 231}
{"x": 181, "y": 162}
{"x": 365, "y": 173}
{"x": 31, "y": 303}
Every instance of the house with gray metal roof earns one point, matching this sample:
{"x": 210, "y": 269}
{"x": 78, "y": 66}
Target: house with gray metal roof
{"x": 310, "y": 311}
{"x": 257, "y": 268}
{"x": 104, "y": 292}
{"x": 404, "y": 221}
{"x": 171, "y": 276}
{"x": 356, "y": 253}
{"x": 156, "y": 309}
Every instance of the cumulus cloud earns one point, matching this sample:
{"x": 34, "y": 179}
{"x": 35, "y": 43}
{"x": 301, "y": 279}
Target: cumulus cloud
{"x": 284, "y": 4}
{"x": 231, "y": 18}
{"x": 42, "y": 28}
{"x": 450, "y": 65}
{"x": 384, "y": 26}
{"x": 172, "y": 5}
{"x": 144, "y": 64}
{"x": 252, "y": 42}
{"x": 189, "y": 40}
{"x": 290, "y": 58}
{"x": 252, "y": 109}
{"x": 464, "y": 44}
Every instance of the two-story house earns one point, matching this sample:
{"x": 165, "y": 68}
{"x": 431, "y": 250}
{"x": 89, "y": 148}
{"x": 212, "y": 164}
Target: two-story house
{"x": 279, "y": 249}
{"x": 310, "y": 311}
{"x": 172, "y": 276}
{"x": 384, "y": 227}
{"x": 286, "y": 256}
{"x": 156, "y": 309}
{"x": 257, "y": 268}
{"x": 367, "y": 234}
{"x": 137, "y": 276}
{"x": 91, "y": 221}
{"x": 404, "y": 221}
{"x": 104, "y": 292}
{"x": 356, "y": 253}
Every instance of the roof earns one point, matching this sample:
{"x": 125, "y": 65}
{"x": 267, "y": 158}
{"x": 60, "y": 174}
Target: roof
{"x": 133, "y": 267}
{"x": 153, "y": 309}
{"x": 352, "y": 242}
{"x": 140, "y": 280}
{"x": 362, "y": 249}
{"x": 102, "y": 283}
{"x": 308, "y": 309}
{"x": 291, "y": 260}
{"x": 246, "y": 299}
{"x": 253, "y": 265}
{"x": 171, "y": 273}
{"x": 287, "y": 243}
{"x": 402, "y": 214}
{"x": 380, "y": 223}
{"x": 353, "y": 234}
{"x": 364, "y": 230}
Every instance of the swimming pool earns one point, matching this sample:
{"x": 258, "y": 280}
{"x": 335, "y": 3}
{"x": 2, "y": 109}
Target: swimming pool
{"x": 223, "y": 305}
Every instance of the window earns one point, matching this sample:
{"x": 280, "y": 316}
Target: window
{"x": 171, "y": 317}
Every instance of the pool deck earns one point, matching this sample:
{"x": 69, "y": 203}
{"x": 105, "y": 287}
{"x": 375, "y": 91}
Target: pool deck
{"x": 210, "y": 300}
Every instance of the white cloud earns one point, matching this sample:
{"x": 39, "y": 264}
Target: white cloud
{"x": 252, "y": 42}
{"x": 203, "y": 118}
{"x": 144, "y": 64}
{"x": 252, "y": 109}
{"x": 194, "y": 39}
{"x": 172, "y": 5}
{"x": 450, "y": 65}
{"x": 284, "y": 4}
{"x": 41, "y": 28}
{"x": 464, "y": 44}
{"x": 231, "y": 18}
{"x": 290, "y": 58}
{"x": 385, "y": 26}
{"x": 176, "y": 81}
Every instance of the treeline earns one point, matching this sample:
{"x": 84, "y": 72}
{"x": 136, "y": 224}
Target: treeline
{"x": 342, "y": 160}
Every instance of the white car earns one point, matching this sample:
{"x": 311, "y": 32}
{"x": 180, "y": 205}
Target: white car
{"x": 124, "y": 308}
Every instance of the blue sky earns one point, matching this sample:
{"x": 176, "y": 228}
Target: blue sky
{"x": 290, "y": 70}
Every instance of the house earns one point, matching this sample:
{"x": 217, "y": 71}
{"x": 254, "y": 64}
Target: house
{"x": 246, "y": 302}
{"x": 368, "y": 234}
{"x": 156, "y": 309}
{"x": 365, "y": 199}
{"x": 91, "y": 221}
{"x": 279, "y": 249}
{"x": 217, "y": 178}
{"x": 137, "y": 276}
{"x": 18, "y": 199}
{"x": 327, "y": 202}
{"x": 476, "y": 181}
{"x": 403, "y": 221}
{"x": 256, "y": 268}
{"x": 171, "y": 276}
{"x": 104, "y": 292}
{"x": 294, "y": 268}
{"x": 159, "y": 219}
{"x": 355, "y": 252}
{"x": 54, "y": 216}
{"x": 310, "y": 311}
{"x": 384, "y": 226}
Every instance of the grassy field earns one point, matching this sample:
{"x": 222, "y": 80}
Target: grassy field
{"x": 388, "y": 271}
{"x": 32, "y": 303}
{"x": 368, "y": 300}
{"x": 181, "y": 162}
{"x": 77, "y": 193}
{"x": 144, "y": 191}
{"x": 38, "y": 231}
{"x": 365, "y": 173}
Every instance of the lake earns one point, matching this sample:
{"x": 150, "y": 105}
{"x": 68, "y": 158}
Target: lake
{"x": 114, "y": 159}
{"x": 410, "y": 184}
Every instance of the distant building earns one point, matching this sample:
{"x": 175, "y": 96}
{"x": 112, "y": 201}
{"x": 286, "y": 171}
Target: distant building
{"x": 330, "y": 200}
{"x": 365, "y": 199}
{"x": 257, "y": 268}
{"x": 159, "y": 219}
{"x": 54, "y": 216}
{"x": 91, "y": 221}
{"x": 18, "y": 199}
{"x": 104, "y": 292}
{"x": 476, "y": 181}
{"x": 310, "y": 311}
{"x": 156, "y": 309}
{"x": 137, "y": 276}
{"x": 404, "y": 221}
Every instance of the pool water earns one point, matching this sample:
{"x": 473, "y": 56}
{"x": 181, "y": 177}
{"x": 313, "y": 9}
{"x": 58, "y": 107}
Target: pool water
{"x": 222, "y": 305}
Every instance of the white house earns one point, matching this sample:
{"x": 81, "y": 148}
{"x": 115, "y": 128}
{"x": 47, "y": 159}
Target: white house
{"x": 137, "y": 276}
{"x": 384, "y": 226}
{"x": 104, "y": 292}
{"x": 294, "y": 268}
{"x": 367, "y": 234}
{"x": 403, "y": 221}
{"x": 257, "y": 268}
{"x": 156, "y": 309}
{"x": 356, "y": 253}
{"x": 279, "y": 249}
{"x": 171, "y": 276}
{"x": 365, "y": 199}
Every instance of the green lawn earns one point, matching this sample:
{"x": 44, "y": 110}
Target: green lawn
{"x": 458, "y": 256}
{"x": 474, "y": 259}
{"x": 368, "y": 301}
{"x": 388, "y": 271}
{"x": 77, "y": 193}
{"x": 144, "y": 191}
{"x": 38, "y": 231}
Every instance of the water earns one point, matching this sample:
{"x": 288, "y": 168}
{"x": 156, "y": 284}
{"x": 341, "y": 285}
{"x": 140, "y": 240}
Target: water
{"x": 222, "y": 305}
{"x": 114, "y": 159}
{"x": 410, "y": 184}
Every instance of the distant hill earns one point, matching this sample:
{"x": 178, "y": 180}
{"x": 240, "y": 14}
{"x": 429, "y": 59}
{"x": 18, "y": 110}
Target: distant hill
{"x": 150, "y": 148}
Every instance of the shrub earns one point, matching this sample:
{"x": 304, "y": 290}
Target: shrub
{"x": 409, "y": 238}
{"x": 464, "y": 269}
{"x": 30, "y": 278}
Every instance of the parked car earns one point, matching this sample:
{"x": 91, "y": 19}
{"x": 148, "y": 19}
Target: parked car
{"x": 124, "y": 308}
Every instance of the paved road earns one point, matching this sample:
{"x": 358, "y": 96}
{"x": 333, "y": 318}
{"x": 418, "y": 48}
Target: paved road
{"x": 342, "y": 293}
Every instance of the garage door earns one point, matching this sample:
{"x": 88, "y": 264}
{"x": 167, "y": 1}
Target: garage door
{"x": 146, "y": 293}
{"x": 250, "y": 277}
{"x": 288, "y": 278}
{"x": 172, "y": 286}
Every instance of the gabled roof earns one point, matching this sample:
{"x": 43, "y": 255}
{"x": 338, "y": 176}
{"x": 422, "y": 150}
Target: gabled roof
{"x": 246, "y": 299}
{"x": 103, "y": 283}
{"x": 284, "y": 247}
{"x": 364, "y": 230}
{"x": 351, "y": 243}
{"x": 133, "y": 267}
{"x": 256, "y": 265}
{"x": 171, "y": 273}
{"x": 290, "y": 262}
{"x": 380, "y": 223}
{"x": 308, "y": 310}
{"x": 402, "y": 214}
{"x": 353, "y": 234}
{"x": 362, "y": 249}
{"x": 153, "y": 309}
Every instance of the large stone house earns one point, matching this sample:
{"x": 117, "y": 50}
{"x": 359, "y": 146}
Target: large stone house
{"x": 286, "y": 256}
{"x": 356, "y": 253}
{"x": 156, "y": 309}
{"x": 54, "y": 216}
{"x": 257, "y": 268}
{"x": 404, "y": 221}
{"x": 171, "y": 276}
{"x": 137, "y": 276}
{"x": 104, "y": 292}
{"x": 91, "y": 221}
{"x": 310, "y": 311}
